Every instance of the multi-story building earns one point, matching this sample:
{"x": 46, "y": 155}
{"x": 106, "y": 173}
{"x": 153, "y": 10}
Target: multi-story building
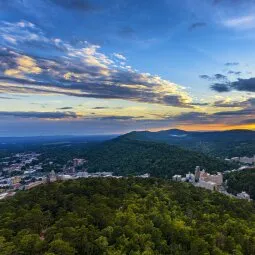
{"x": 216, "y": 178}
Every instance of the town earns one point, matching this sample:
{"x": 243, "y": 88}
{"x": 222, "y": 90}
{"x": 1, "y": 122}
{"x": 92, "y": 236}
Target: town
{"x": 24, "y": 171}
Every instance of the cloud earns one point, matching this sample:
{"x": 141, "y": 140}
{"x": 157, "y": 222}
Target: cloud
{"x": 118, "y": 118}
{"x": 205, "y": 77}
{"x": 220, "y": 87}
{"x": 226, "y": 104}
{"x": 248, "y": 121}
{"x": 215, "y": 77}
{"x": 3, "y": 97}
{"x": 200, "y": 104}
{"x": 234, "y": 72}
{"x": 231, "y": 64}
{"x": 65, "y": 108}
{"x": 40, "y": 115}
{"x": 80, "y": 5}
{"x": 244, "y": 22}
{"x": 247, "y": 85}
{"x": 100, "y": 107}
{"x": 244, "y": 85}
{"x": 197, "y": 25}
{"x": 119, "y": 56}
{"x": 193, "y": 117}
{"x": 246, "y": 112}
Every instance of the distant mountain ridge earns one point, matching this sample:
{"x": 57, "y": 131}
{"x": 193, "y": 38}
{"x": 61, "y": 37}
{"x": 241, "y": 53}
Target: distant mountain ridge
{"x": 218, "y": 143}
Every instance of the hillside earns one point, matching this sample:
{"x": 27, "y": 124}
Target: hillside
{"x": 242, "y": 181}
{"x": 219, "y": 143}
{"x": 125, "y": 157}
{"x": 125, "y": 216}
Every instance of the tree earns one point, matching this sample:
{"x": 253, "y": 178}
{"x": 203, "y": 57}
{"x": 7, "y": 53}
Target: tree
{"x": 60, "y": 247}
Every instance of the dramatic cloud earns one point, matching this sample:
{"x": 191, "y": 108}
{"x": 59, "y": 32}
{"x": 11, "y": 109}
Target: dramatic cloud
{"x": 83, "y": 72}
{"x": 40, "y": 115}
{"x": 197, "y": 25}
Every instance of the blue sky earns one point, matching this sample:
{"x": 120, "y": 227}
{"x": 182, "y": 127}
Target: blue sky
{"x": 95, "y": 67}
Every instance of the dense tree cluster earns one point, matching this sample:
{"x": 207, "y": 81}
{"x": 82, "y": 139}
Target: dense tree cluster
{"x": 124, "y": 157}
{"x": 242, "y": 181}
{"x": 125, "y": 216}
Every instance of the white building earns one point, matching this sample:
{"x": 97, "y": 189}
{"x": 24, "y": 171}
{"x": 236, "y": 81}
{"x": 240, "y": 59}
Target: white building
{"x": 177, "y": 178}
{"x": 243, "y": 195}
{"x": 64, "y": 177}
{"x": 190, "y": 177}
{"x": 82, "y": 174}
{"x": 144, "y": 176}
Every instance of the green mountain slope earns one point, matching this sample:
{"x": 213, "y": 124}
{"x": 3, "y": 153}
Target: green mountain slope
{"x": 125, "y": 156}
{"x": 125, "y": 216}
{"x": 219, "y": 143}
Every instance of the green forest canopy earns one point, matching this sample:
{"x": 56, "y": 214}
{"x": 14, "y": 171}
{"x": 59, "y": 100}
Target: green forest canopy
{"x": 129, "y": 157}
{"x": 125, "y": 216}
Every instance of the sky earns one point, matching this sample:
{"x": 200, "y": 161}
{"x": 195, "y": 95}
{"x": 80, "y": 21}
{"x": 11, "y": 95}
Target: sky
{"x": 83, "y": 67}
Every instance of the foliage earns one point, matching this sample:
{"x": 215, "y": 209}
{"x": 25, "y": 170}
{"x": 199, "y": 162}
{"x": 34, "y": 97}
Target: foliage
{"x": 127, "y": 157}
{"x": 125, "y": 216}
{"x": 242, "y": 181}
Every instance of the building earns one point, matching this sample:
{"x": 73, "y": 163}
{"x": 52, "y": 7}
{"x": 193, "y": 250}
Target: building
{"x": 64, "y": 177}
{"x": 82, "y": 175}
{"x": 15, "y": 180}
{"x": 190, "y": 177}
{"x": 177, "y": 178}
{"x": 52, "y": 176}
{"x": 243, "y": 195}
{"x": 143, "y": 175}
{"x": 236, "y": 159}
{"x": 207, "y": 185}
{"x": 216, "y": 178}
{"x": 78, "y": 161}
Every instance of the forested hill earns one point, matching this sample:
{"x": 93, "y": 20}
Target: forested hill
{"x": 125, "y": 216}
{"x": 127, "y": 157}
{"x": 218, "y": 143}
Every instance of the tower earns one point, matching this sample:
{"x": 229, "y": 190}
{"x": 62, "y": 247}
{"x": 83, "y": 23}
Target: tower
{"x": 197, "y": 173}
